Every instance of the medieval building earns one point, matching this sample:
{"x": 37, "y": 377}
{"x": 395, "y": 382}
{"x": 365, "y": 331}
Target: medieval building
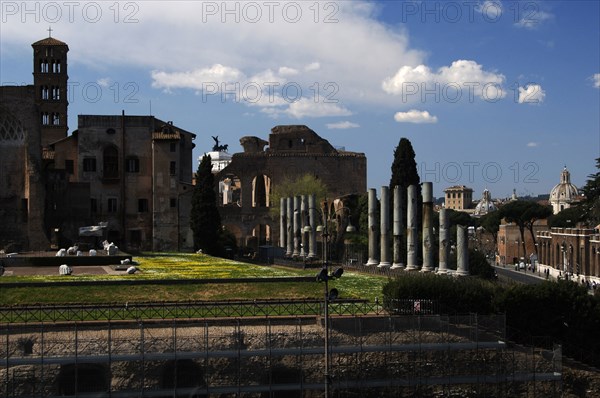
{"x": 293, "y": 151}
{"x": 131, "y": 174}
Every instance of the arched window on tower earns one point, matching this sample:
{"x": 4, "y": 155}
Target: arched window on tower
{"x": 44, "y": 66}
{"x": 111, "y": 162}
{"x": 45, "y": 118}
{"x": 55, "y": 93}
{"x": 56, "y": 119}
{"x": 45, "y": 92}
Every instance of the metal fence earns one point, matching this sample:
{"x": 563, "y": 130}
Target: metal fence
{"x": 182, "y": 310}
{"x": 370, "y": 356}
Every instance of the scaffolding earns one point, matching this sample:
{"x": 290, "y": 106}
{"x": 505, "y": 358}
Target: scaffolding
{"x": 370, "y": 356}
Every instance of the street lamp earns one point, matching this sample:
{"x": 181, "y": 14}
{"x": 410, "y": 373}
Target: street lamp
{"x": 324, "y": 276}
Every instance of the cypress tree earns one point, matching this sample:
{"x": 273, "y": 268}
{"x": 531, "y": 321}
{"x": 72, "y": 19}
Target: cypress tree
{"x": 205, "y": 220}
{"x": 404, "y": 174}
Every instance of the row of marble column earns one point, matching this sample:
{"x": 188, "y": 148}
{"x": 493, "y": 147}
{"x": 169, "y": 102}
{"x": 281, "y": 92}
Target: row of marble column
{"x": 296, "y": 213}
{"x": 409, "y": 232}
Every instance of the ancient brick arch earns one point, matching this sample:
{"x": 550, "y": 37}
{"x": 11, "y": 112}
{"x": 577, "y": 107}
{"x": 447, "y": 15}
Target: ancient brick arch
{"x": 11, "y": 131}
{"x": 261, "y": 191}
{"x": 82, "y": 378}
{"x": 182, "y": 373}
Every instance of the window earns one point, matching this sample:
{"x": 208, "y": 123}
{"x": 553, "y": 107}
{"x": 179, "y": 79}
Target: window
{"x": 45, "y": 118}
{"x": 112, "y": 205}
{"x": 111, "y": 162}
{"x": 142, "y": 205}
{"x": 93, "y": 205}
{"x": 55, "y": 119}
{"x": 44, "y": 66}
{"x": 89, "y": 164}
{"x": 173, "y": 202}
{"x": 132, "y": 165}
{"x": 173, "y": 147}
{"x": 45, "y": 94}
{"x": 55, "y": 93}
{"x": 69, "y": 166}
{"x": 173, "y": 168}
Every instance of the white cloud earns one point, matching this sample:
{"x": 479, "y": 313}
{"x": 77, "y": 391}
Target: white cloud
{"x": 342, "y": 125}
{"x": 531, "y": 94}
{"x": 491, "y": 10}
{"x": 312, "y": 66}
{"x": 596, "y": 79}
{"x": 356, "y": 51}
{"x": 532, "y": 144}
{"x": 533, "y": 18}
{"x": 285, "y": 71}
{"x": 463, "y": 78}
{"x": 104, "y": 82}
{"x": 197, "y": 79}
{"x": 415, "y": 116}
{"x": 306, "y": 107}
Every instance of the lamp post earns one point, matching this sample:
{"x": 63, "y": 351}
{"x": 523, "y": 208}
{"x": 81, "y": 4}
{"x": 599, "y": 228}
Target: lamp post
{"x": 324, "y": 276}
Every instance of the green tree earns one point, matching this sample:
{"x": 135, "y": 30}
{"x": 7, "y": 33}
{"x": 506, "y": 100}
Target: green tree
{"x": 306, "y": 184}
{"x": 491, "y": 223}
{"x": 524, "y": 214}
{"x": 591, "y": 190}
{"x": 205, "y": 220}
{"x": 404, "y": 174}
{"x": 568, "y": 218}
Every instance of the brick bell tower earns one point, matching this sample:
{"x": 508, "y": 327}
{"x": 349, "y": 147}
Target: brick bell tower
{"x": 50, "y": 82}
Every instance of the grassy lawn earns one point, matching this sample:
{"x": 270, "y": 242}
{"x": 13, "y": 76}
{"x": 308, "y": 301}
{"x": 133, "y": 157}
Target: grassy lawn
{"x": 187, "y": 266}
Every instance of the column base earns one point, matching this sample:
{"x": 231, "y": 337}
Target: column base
{"x": 384, "y": 265}
{"x": 372, "y": 262}
{"x": 442, "y": 271}
{"x": 411, "y": 267}
{"x": 397, "y": 266}
{"x": 427, "y": 269}
{"x": 461, "y": 273}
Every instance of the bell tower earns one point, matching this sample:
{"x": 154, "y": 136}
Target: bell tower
{"x": 50, "y": 82}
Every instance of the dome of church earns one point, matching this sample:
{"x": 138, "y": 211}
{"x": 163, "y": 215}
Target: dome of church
{"x": 485, "y": 205}
{"x": 563, "y": 193}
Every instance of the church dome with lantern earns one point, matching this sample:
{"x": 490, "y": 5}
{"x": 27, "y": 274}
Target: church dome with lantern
{"x": 564, "y": 193}
{"x": 485, "y": 205}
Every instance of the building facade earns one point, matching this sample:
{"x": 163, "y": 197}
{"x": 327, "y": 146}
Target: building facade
{"x": 458, "y": 197}
{"x": 571, "y": 253}
{"x": 132, "y": 174}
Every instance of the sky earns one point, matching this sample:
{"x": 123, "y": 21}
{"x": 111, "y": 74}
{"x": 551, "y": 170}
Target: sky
{"x": 492, "y": 94}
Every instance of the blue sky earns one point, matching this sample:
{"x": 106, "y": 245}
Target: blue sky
{"x": 492, "y": 94}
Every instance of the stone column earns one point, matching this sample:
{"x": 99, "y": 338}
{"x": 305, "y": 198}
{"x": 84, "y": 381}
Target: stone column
{"x": 282, "y": 221}
{"x": 427, "y": 227}
{"x": 462, "y": 251}
{"x": 312, "y": 219}
{"x": 385, "y": 227}
{"x": 398, "y": 229}
{"x": 290, "y": 227}
{"x": 372, "y": 228}
{"x": 443, "y": 266}
{"x": 411, "y": 232}
{"x": 297, "y": 241}
{"x": 303, "y": 223}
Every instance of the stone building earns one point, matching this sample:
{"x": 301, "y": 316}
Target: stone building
{"x": 132, "y": 173}
{"x": 292, "y": 152}
{"x": 564, "y": 193}
{"x": 458, "y": 197}
{"x": 510, "y": 244}
{"x": 571, "y": 252}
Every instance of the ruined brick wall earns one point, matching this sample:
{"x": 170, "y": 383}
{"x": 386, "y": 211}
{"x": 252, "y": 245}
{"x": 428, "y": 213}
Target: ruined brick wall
{"x": 293, "y": 151}
{"x": 22, "y": 188}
